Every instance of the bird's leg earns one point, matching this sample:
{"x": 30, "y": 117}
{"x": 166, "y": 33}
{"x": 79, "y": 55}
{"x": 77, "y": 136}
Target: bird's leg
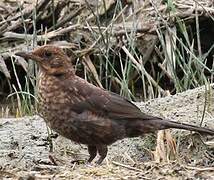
{"x": 92, "y": 150}
{"x": 102, "y": 150}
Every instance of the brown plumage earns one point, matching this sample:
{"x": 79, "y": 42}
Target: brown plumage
{"x": 85, "y": 113}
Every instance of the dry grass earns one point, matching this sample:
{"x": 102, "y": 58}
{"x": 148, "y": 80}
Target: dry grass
{"x": 138, "y": 49}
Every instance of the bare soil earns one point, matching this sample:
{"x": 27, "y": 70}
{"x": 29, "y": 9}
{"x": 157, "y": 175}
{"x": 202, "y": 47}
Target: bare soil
{"x": 24, "y": 147}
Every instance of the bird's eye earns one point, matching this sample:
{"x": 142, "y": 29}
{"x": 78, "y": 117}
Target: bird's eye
{"x": 47, "y": 54}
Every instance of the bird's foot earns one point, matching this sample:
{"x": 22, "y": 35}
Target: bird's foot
{"x": 102, "y": 150}
{"x": 100, "y": 160}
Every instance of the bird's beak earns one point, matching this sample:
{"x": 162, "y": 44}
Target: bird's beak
{"x": 28, "y": 55}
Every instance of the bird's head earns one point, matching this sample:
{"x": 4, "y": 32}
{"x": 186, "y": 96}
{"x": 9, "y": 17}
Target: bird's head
{"x": 51, "y": 59}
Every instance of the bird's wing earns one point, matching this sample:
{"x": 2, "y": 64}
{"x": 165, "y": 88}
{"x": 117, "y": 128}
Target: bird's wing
{"x": 95, "y": 129}
{"x": 102, "y": 102}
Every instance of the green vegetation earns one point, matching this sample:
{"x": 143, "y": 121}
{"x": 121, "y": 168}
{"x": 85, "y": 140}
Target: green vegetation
{"x": 113, "y": 55}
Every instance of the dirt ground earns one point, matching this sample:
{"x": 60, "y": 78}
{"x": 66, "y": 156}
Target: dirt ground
{"x": 24, "y": 148}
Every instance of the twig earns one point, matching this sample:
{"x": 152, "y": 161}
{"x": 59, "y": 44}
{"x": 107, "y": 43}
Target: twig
{"x": 62, "y": 31}
{"x": 142, "y": 69}
{"x": 126, "y": 166}
{"x": 68, "y": 18}
{"x": 200, "y": 168}
{"x": 92, "y": 46}
{"x": 165, "y": 72}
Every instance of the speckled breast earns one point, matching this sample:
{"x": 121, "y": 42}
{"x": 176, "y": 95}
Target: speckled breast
{"x": 53, "y": 102}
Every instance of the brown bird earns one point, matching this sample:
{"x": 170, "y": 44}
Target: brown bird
{"x": 85, "y": 113}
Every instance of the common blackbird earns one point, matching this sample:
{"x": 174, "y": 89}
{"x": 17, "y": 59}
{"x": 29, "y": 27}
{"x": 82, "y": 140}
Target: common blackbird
{"x": 85, "y": 113}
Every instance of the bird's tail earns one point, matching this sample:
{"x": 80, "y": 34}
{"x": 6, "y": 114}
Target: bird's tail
{"x": 159, "y": 124}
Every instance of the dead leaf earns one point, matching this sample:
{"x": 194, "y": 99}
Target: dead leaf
{"x": 3, "y": 68}
{"x": 93, "y": 70}
{"x": 166, "y": 147}
{"x": 64, "y": 44}
{"x": 22, "y": 62}
{"x": 160, "y": 151}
